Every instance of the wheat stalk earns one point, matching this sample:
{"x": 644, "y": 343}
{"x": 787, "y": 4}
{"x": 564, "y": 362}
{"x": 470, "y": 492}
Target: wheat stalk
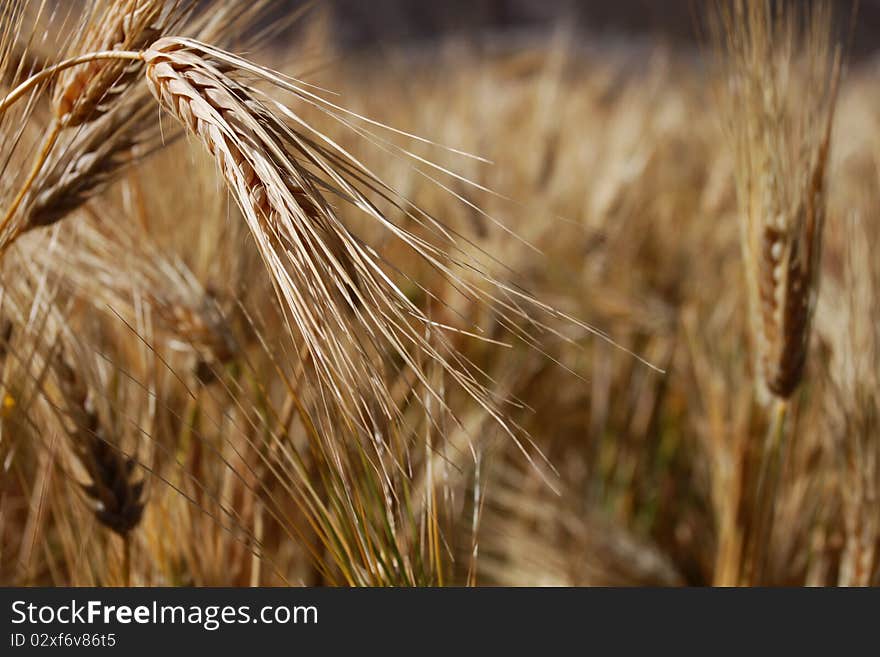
{"x": 781, "y": 92}
{"x": 852, "y": 406}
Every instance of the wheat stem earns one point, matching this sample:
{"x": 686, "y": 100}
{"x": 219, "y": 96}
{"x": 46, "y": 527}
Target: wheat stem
{"x": 51, "y": 138}
{"x": 47, "y": 73}
{"x": 126, "y": 560}
{"x": 768, "y": 481}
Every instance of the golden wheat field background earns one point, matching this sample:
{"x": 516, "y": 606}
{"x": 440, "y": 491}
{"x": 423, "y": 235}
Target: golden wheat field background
{"x": 499, "y": 312}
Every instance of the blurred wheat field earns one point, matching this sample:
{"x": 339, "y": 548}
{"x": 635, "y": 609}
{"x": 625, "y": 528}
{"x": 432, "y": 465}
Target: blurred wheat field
{"x": 166, "y": 421}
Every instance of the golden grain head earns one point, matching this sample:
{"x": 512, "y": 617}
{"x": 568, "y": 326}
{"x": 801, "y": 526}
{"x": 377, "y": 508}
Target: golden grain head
{"x": 86, "y": 92}
{"x": 118, "y": 497}
{"x": 781, "y": 136}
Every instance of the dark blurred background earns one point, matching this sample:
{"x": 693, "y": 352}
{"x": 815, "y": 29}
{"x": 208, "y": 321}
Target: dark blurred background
{"x": 366, "y": 23}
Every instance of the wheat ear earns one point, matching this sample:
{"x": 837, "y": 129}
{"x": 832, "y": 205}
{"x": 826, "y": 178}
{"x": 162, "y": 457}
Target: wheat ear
{"x": 331, "y": 285}
{"x": 86, "y": 92}
{"x": 118, "y": 498}
{"x": 782, "y": 142}
{"x": 91, "y": 160}
{"x": 119, "y": 133}
{"x": 8, "y": 233}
